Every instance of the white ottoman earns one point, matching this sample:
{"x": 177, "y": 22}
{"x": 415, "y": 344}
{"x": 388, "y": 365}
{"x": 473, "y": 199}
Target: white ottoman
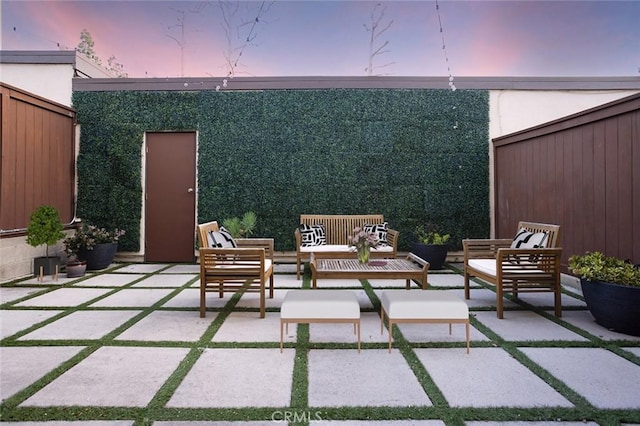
{"x": 307, "y": 306}
{"x": 429, "y": 306}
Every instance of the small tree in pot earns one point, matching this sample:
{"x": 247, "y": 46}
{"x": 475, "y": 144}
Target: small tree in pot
{"x": 431, "y": 246}
{"x": 45, "y": 227}
{"x": 611, "y": 289}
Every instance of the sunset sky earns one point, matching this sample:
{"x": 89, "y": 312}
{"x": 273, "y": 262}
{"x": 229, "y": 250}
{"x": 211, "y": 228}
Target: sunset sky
{"x": 329, "y": 38}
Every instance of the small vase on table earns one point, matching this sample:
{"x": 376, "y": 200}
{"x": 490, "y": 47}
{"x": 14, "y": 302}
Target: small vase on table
{"x": 364, "y": 253}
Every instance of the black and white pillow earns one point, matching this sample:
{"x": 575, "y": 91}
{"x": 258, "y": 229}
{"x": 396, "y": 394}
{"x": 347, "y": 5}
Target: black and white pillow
{"x": 379, "y": 230}
{"x": 221, "y": 239}
{"x": 526, "y": 239}
{"x": 312, "y": 235}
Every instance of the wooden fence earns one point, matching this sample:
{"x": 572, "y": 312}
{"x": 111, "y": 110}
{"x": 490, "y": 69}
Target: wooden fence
{"x": 38, "y": 158}
{"x": 581, "y": 172}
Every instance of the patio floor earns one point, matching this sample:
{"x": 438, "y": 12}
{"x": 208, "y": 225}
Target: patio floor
{"x": 126, "y": 346}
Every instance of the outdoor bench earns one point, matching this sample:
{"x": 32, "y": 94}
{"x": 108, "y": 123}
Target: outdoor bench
{"x": 327, "y": 235}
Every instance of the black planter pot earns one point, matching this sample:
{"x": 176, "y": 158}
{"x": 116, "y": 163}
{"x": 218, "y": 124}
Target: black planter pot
{"x": 48, "y": 265}
{"x": 436, "y": 255}
{"x": 100, "y": 257}
{"x": 616, "y": 307}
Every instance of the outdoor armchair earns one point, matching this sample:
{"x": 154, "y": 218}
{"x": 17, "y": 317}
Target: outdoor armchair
{"x": 528, "y": 263}
{"x": 246, "y": 267}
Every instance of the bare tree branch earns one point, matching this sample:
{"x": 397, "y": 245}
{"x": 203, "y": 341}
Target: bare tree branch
{"x": 377, "y": 17}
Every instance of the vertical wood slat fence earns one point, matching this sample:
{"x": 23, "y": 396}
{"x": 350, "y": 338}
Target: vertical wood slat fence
{"x": 581, "y": 172}
{"x": 38, "y": 158}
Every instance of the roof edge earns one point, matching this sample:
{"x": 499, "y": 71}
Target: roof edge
{"x": 359, "y": 82}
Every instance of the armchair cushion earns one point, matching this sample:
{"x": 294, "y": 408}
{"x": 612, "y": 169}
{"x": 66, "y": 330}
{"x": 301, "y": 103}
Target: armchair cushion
{"x": 380, "y": 231}
{"x": 312, "y": 235}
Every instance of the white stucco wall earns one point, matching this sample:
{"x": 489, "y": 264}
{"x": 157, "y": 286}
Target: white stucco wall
{"x": 49, "y": 81}
{"x": 514, "y": 110}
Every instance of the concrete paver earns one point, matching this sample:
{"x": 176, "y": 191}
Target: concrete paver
{"x": 344, "y": 333}
{"x": 109, "y": 280}
{"x": 81, "y": 325}
{"x": 165, "y": 280}
{"x": 526, "y": 326}
{"x": 22, "y": 366}
{"x": 487, "y": 377}
{"x": 111, "y": 376}
{"x": 65, "y": 297}
{"x": 21, "y": 320}
{"x": 585, "y": 321}
{"x": 10, "y": 294}
{"x": 613, "y": 384}
{"x": 132, "y": 298}
{"x": 170, "y": 326}
{"x": 243, "y": 377}
{"x": 336, "y": 379}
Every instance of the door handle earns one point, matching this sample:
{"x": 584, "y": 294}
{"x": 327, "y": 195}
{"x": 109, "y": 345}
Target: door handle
{"x": 190, "y": 190}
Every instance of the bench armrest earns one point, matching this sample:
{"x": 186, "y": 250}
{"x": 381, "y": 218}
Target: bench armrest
{"x": 519, "y": 261}
{"x": 298, "y": 237}
{"x": 392, "y": 239}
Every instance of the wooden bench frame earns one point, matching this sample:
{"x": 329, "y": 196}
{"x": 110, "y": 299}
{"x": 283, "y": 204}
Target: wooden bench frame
{"x": 540, "y": 275}
{"x": 247, "y": 267}
{"x": 337, "y": 230}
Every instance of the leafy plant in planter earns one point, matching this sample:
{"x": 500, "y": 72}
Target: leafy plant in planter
{"x": 45, "y": 227}
{"x": 431, "y": 246}
{"x": 241, "y": 228}
{"x": 75, "y": 267}
{"x": 611, "y": 289}
{"x": 97, "y": 246}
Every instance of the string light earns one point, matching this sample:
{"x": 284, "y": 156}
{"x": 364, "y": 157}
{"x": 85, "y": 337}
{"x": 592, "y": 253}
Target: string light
{"x": 452, "y": 85}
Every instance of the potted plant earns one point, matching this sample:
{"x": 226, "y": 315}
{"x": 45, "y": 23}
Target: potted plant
{"x": 95, "y": 245}
{"x": 75, "y": 267}
{"x": 241, "y": 228}
{"x": 431, "y": 246}
{"x": 611, "y": 289}
{"x": 45, "y": 227}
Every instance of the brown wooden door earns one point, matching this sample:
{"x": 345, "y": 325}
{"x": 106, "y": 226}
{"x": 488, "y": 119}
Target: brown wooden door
{"x": 170, "y": 197}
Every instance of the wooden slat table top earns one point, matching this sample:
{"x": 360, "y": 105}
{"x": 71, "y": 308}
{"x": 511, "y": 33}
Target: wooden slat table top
{"x": 354, "y": 265}
{"x": 411, "y": 268}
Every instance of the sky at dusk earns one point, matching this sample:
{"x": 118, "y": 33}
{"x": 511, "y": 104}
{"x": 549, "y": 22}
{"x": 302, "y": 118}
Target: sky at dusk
{"x": 330, "y": 38}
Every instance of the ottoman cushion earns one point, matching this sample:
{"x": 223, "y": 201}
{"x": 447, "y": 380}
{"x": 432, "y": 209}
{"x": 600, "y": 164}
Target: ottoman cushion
{"x": 425, "y": 304}
{"x": 320, "y": 304}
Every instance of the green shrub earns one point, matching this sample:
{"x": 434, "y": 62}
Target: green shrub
{"x": 595, "y": 266}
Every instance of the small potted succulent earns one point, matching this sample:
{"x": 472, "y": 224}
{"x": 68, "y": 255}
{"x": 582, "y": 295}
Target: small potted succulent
{"x": 431, "y": 245}
{"x": 611, "y": 290}
{"x": 97, "y": 246}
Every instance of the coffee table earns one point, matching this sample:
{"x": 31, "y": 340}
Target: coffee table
{"x": 411, "y": 268}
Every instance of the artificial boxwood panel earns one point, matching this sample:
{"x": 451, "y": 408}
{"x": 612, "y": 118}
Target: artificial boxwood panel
{"x": 413, "y": 155}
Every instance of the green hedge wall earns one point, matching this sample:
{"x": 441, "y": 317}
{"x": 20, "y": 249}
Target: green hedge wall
{"x": 415, "y": 156}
